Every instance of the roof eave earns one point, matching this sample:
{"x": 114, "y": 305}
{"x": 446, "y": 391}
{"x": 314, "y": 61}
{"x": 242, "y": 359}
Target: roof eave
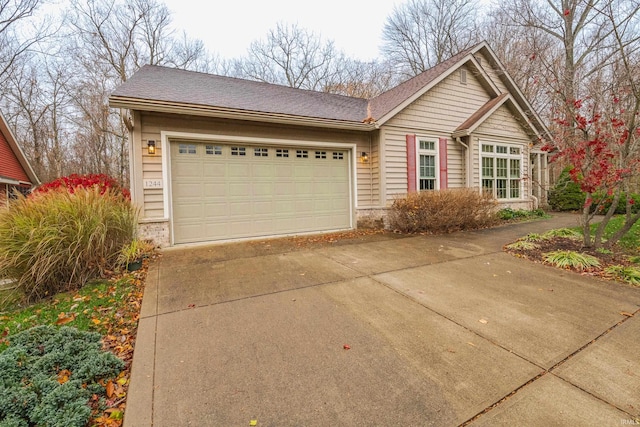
{"x": 11, "y": 139}
{"x": 227, "y": 113}
{"x": 515, "y": 90}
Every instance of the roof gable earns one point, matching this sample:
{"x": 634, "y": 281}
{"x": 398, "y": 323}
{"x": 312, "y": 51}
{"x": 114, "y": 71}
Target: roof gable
{"x": 155, "y": 88}
{"x": 487, "y": 110}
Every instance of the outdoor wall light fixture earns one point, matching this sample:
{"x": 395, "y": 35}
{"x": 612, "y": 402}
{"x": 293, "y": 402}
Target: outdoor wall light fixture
{"x": 151, "y": 147}
{"x": 364, "y": 157}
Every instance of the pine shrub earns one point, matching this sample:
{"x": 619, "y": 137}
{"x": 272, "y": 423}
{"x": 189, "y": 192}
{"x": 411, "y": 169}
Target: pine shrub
{"x": 566, "y": 195}
{"x": 443, "y": 211}
{"x": 56, "y": 241}
{"x": 33, "y": 389}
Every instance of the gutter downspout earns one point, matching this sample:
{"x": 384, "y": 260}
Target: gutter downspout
{"x": 466, "y": 158}
{"x": 459, "y": 140}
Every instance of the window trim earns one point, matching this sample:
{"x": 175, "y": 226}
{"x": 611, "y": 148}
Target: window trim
{"x": 435, "y": 153}
{"x": 494, "y": 154}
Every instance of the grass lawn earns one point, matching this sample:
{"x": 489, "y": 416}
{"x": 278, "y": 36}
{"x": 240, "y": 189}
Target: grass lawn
{"x": 109, "y": 307}
{"x": 630, "y": 242}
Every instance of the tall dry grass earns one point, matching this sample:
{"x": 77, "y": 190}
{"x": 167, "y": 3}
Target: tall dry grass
{"x": 57, "y": 241}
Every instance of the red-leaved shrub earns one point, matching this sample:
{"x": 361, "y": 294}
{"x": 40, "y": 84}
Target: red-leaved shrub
{"x": 70, "y": 183}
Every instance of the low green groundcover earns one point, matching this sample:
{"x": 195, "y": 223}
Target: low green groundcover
{"x": 48, "y": 376}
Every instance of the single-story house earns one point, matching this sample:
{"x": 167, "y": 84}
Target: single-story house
{"x": 16, "y": 174}
{"x": 219, "y": 158}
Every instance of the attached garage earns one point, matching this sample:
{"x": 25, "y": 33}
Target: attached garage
{"x": 225, "y": 190}
{"x": 216, "y": 158}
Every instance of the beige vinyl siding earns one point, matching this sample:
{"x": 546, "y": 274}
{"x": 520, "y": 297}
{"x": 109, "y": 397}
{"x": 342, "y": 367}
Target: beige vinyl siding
{"x": 369, "y": 173}
{"x": 436, "y": 114}
{"x": 503, "y": 123}
{"x": 395, "y": 147}
{"x": 152, "y": 124}
{"x": 493, "y": 75}
{"x": 445, "y": 106}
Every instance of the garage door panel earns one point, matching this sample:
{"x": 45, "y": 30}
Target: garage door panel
{"x": 239, "y": 189}
{"x": 214, "y": 189}
{"x": 284, "y": 188}
{"x": 216, "y": 211}
{"x": 187, "y": 170}
{"x": 262, "y": 170}
{"x": 190, "y": 212}
{"x": 224, "y": 196}
{"x": 303, "y": 188}
{"x": 236, "y": 169}
{"x": 262, "y": 189}
{"x": 284, "y": 171}
{"x": 217, "y": 171}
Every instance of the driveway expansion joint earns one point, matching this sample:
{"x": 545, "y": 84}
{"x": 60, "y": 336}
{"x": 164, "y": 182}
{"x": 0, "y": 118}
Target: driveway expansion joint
{"x": 550, "y": 372}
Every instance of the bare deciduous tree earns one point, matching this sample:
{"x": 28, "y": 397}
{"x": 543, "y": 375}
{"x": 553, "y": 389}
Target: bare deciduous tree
{"x": 290, "y": 56}
{"x": 362, "y": 79}
{"x": 421, "y": 33}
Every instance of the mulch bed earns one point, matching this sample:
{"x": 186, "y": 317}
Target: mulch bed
{"x": 617, "y": 256}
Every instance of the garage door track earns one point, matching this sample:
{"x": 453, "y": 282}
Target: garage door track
{"x": 383, "y": 330}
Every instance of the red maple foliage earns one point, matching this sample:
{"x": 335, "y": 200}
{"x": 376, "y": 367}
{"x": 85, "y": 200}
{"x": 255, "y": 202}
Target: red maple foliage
{"x": 72, "y": 182}
{"x": 602, "y": 149}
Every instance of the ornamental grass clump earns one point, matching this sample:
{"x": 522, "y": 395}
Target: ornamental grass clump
{"x": 48, "y": 376}
{"x": 571, "y": 259}
{"x": 443, "y": 211}
{"x": 56, "y": 241}
{"x": 624, "y": 273}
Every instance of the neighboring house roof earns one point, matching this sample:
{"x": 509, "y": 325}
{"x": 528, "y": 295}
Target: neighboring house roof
{"x": 155, "y": 88}
{"x": 14, "y": 166}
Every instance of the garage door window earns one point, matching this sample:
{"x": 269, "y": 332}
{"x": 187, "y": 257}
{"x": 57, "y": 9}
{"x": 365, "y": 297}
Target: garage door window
{"x": 338, "y": 156}
{"x": 321, "y": 154}
{"x": 238, "y": 151}
{"x": 213, "y": 150}
{"x": 282, "y": 153}
{"x": 302, "y": 154}
{"x": 261, "y": 152}
{"x": 187, "y": 149}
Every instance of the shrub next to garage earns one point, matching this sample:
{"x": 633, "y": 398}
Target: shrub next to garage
{"x": 442, "y": 211}
{"x": 56, "y": 241}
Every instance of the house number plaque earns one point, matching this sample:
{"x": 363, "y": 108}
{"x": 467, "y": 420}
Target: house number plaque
{"x": 152, "y": 183}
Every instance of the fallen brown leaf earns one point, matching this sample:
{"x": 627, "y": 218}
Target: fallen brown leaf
{"x": 63, "y": 318}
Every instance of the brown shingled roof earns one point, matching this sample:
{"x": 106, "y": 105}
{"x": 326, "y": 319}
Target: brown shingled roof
{"x": 478, "y": 116}
{"x": 188, "y": 87}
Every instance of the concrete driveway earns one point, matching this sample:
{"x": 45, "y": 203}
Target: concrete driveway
{"x": 441, "y": 330}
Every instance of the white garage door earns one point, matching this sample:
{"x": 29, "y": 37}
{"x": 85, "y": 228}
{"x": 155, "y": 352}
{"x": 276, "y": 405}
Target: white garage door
{"x": 226, "y": 191}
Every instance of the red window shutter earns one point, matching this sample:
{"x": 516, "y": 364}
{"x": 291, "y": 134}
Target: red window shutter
{"x": 411, "y": 163}
{"x": 444, "y": 178}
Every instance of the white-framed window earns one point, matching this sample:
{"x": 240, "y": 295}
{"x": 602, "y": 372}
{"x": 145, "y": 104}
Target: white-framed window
{"x": 501, "y": 169}
{"x": 427, "y": 167}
